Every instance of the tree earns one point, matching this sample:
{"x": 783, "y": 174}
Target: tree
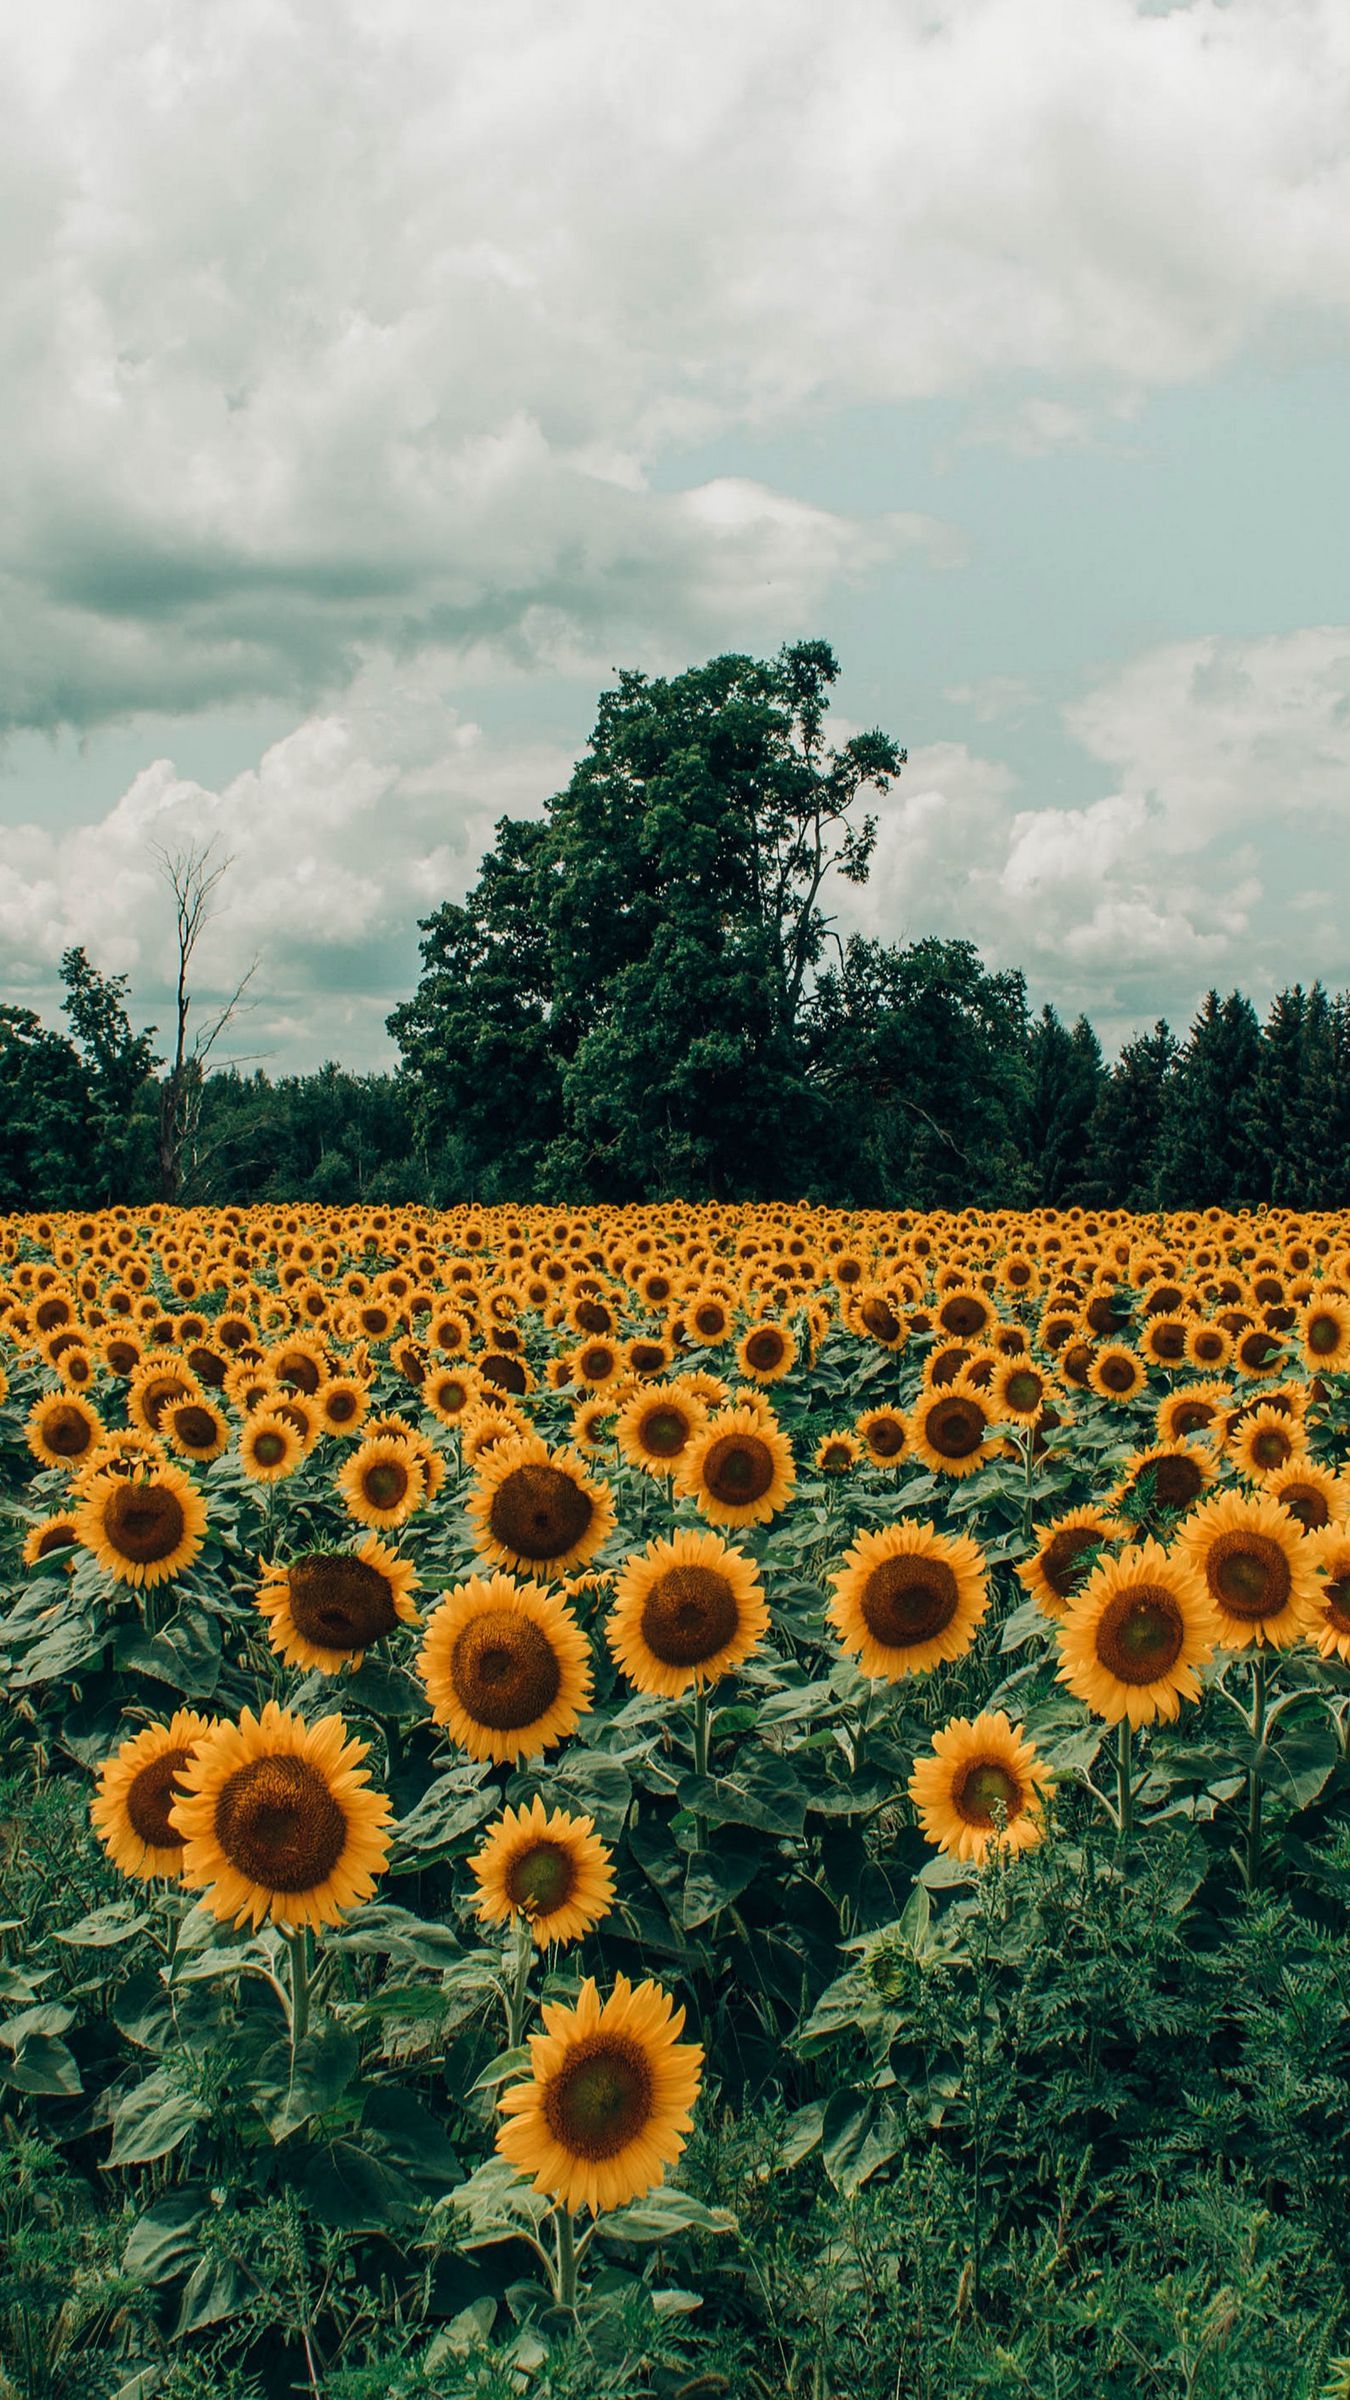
{"x": 192, "y": 875}
{"x": 617, "y": 1009}
{"x": 922, "y": 1053}
{"x": 1207, "y": 1153}
{"x": 119, "y": 1065}
{"x": 1127, "y": 1123}
{"x": 1064, "y": 1084}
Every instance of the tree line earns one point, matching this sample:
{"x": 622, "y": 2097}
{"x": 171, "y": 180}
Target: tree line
{"x": 645, "y": 994}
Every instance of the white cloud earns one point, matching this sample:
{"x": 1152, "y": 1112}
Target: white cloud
{"x": 339, "y": 323}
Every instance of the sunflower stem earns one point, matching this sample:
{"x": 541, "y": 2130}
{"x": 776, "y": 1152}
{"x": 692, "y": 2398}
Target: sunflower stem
{"x": 1029, "y": 1484}
{"x": 1252, "y": 1859}
{"x": 1125, "y": 1779}
{"x": 565, "y": 2278}
{"x": 520, "y": 1985}
{"x": 301, "y": 1967}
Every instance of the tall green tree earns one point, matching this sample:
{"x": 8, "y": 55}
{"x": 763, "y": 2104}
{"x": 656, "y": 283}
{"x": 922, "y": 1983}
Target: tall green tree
{"x": 1208, "y": 1152}
{"x": 1065, "y": 1076}
{"x": 119, "y": 1067}
{"x": 1127, "y": 1125}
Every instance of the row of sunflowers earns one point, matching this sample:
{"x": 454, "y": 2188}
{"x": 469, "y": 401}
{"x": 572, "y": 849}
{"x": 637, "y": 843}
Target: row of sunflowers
{"x": 521, "y": 1665}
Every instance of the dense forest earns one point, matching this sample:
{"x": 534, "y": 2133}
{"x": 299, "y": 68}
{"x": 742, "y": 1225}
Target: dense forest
{"x": 645, "y": 995}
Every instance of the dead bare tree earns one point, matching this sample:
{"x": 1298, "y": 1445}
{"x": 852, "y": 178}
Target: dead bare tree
{"x": 193, "y": 875}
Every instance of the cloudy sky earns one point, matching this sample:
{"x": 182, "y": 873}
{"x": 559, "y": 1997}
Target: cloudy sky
{"x": 378, "y": 378}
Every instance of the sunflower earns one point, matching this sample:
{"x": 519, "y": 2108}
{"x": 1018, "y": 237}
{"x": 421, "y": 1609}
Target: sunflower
{"x": 1164, "y": 1478}
{"x": 506, "y": 1668}
{"x": 326, "y": 1608}
{"x": 766, "y": 1352}
{"x": 949, "y": 1430}
{"x": 1132, "y": 1638}
{"x": 738, "y": 1468}
{"x": 1328, "y": 1553}
{"x": 1066, "y": 1551}
{"x": 383, "y": 1482}
{"x": 609, "y": 2099}
{"x": 1265, "y": 1441}
{"x": 552, "y": 1870}
{"x": 980, "y": 1788}
{"x": 871, "y": 1313}
{"x": 656, "y": 1427}
{"x": 1324, "y": 1335}
{"x": 342, "y": 1402}
{"x": 270, "y": 1448}
{"x": 1196, "y": 1408}
{"x": 885, "y": 1434}
{"x": 908, "y": 1597}
{"x": 195, "y": 1429}
{"x": 279, "y": 1822}
{"x": 486, "y": 1426}
{"x": 1313, "y": 1494}
{"x": 1208, "y": 1347}
{"x": 1117, "y": 1372}
{"x": 62, "y": 1430}
{"x": 1163, "y": 1340}
{"x": 1019, "y": 1390}
{"x": 837, "y": 1453}
{"x": 687, "y": 1610}
{"x": 143, "y": 1526}
{"x": 1251, "y": 1556}
{"x": 130, "y": 1810}
{"x": 537, "y": 1509}
{"x": 58, "y": 1532}
{"x": 708, "y": 1317}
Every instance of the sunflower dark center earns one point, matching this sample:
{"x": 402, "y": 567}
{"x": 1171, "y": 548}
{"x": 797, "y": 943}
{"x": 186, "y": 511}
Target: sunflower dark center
{"x": 278, "y": 1823}
{"x": 601, "y": 2098}
{"x": 689, "y": 1614}
{"x": 299, "y": 1369}
{"x": 1141, "y": 1634}
{"x": 340, "y": 1406}
{"x": 985, "y": 1786}
{"x": 963, "y": 1316}
{"x": 880, "y": 1320}
{"x": 539, "y": 1511}
{"x": 1065, "y": 1558}
{"x": 592, "y": 1316}
{"x": 1102, "y": 1316}
{"x": 504, "y": 1670}
{"x": 1191, "y": 1416}
{"x": 386, "y": 1483}
{"x": 955, "y": 1428}
{"x": 339, "y": 1602}
{"x": 765, "y": 1348}
{"x": 738, "y": 1469}
{"x": 1270, "y": 1447}
{"x": 906, "y": 1601}
{"x": 151, "y": 1795}
{"x": 1168, "y": 1341}
{"x": 1249, "y": 1575}
{"x": 836, "y": 1455}
{"x": 67, "y": 1431}
{"x": 1309, "y": 1505}
{"x": 646, "y": 1358}
{"x": 143, "y": 1521}
{"x": 541, "y": 1879}
{"x": 1176, "y": 1481}
{"x": 1323, "y": 1335}
{"x": 886, "y": 1437}
{"x": 1118, "y": 1374}
{"x": 159, "y": 1394}
{"x": 270, "y": 1447}
{"x": 1023, "y": 1390}
{"x": 195, "y": 1426}
{"x": 664, "y": 1432}
{"x": 1337, "y": 1593}
{"x": 1207, "y": 1346}
{"x": 709, "y": 1319}
{"x": 509, "y": 1374}
{"x": 60, "y": 1536}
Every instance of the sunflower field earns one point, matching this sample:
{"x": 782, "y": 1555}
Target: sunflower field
{"x": 674, "y": 1802}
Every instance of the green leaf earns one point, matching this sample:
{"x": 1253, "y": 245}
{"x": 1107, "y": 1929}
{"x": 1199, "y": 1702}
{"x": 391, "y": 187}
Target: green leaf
{"x": 714, "y": 1879}
{"x": 152, "y": 2119}
{"x": 765, "y": 1790}
{"x": 496, "y": 2203}
{"x": 394, "y": 1933}
{"x": 664, "y": 2212}
{"x": 105, "y": 1927}
{"x": 214, "y": 2290}
{"x": 859, "y": 2134}
{"x": 185, "y": 1654}
{"x": 511, "y": 2062}
{"x": 407, "y": 2134}
{"x": 162, "y": 2241}
{"x": 43, "y": 2064}
{"x": 287, "y": 2095}
{"x": 444, "y": 1816}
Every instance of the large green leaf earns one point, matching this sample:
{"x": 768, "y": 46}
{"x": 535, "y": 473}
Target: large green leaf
{"x": 152, "y": 2119}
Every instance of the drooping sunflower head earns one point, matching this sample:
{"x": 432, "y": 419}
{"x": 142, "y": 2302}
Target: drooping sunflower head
{"x": 62, "y": 1430}
{"x": 1131, "y": 1640}
{"x": 1328, "y": 1554}
{"x": 687, "y": 1610}
{"x": 537, "y": 1510}
{"x": 326, "y": 1608}
{"x": 137, "y": 1787}
{"x": 278, "y": 1820}
{"x": 982, "y": 1787}
{"x": 949, "y": 1429}
{"x": 551, "y": 1869}
{"x": 907, "y": 1597}
{"x": 738, "y": 1469}
{"x": 872, "y": 1312}
{"x": 506, "y": 1668}
{"x": 142, "y": 1527}
{"x": 655, "y": 1428}
{"x": 1252, "y": 1558}
{"x": 609, "y": 2099}
{"x": 1067, "y": 1550}
{"x": 383, "y": 1482}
